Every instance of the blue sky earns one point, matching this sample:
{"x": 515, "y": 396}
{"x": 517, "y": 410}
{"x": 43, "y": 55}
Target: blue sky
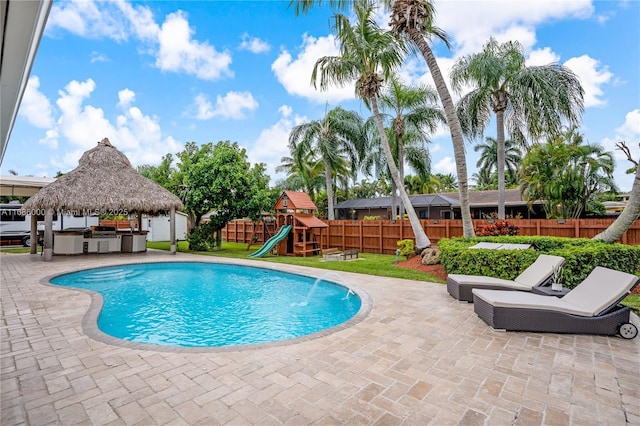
{"x": 154, "y": 75}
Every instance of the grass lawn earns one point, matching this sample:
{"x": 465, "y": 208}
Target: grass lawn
{"x": 372, "y": 264}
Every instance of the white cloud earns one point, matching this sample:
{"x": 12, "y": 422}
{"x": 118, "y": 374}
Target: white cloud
{"x": 592, "y": 76}
{"x": 98, "y": 57}
{"x": 35, "y": 106}
{"x": 126, "y": 97}
{"x": 295, "y": 74}
{"x": 80, "y": 126}
{"x": 86, "y": 19}
{"x": 470, "y": 23}
{"x": 540, "y": 57}
{"x": 232, "y": 105}
{"x": 446, "y": 165}
{"x": 630, "y": 130}
{"x": 180, "y": 53}
{"x": 273, "y": 142}
{"x": 253, "y": 44}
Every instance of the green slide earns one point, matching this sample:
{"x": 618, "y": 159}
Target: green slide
{"x": 271, "y": 242}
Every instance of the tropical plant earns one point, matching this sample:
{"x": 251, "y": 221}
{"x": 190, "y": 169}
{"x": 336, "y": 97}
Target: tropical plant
{"x": 219, "y": 179}
{"x": 412, "y": 113}
{"x": 336, "y": 140}
{"x": 488, "y": 161}
{"x": 631, "y": 211}
{"x": 535, "y": 101}
{"x": 448, "y": 182}
{"x": 565, "y": 173}
{"x": 414, "y": 20}
{"x": 367, "y": 56}
{"x": 304, "y": 171}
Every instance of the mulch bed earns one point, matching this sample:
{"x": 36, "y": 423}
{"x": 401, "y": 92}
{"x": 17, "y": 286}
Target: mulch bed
{"x": 415, "y": 263}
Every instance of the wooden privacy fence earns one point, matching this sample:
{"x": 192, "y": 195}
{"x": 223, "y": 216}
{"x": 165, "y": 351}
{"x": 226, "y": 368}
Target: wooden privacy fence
{"x": 381, "y": 236}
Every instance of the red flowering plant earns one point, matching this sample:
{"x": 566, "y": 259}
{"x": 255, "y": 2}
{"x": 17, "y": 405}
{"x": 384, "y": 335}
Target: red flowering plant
{"x": 496, "y": 228}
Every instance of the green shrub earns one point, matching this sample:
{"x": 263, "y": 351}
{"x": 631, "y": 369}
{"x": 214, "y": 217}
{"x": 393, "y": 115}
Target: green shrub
{"x": 202, "y": 237}
{"x": 406, "y": 248}
{"x": 371, "y": 218}
{"x": 581, "y": 256}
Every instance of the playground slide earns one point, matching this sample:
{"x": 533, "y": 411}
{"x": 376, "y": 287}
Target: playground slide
{"x": 271, "y": 242}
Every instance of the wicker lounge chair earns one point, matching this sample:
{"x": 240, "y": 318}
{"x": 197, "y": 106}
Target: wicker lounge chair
{"x": 590, "y": 308}
{"x": 538, "y": 273}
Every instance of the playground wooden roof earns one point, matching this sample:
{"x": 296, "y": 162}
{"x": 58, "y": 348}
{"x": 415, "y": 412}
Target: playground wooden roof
{"x": 311, "y": 221}
{"x": 295, "y": 200}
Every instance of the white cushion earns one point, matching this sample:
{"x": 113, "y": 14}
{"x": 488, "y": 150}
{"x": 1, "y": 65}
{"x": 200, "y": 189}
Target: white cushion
{"x": 540, "y": 270}
{"x": 518, "y": 299}
{"x": 480, "y": 280}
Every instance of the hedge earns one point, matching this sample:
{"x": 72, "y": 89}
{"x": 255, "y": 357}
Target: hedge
{"x": 581, "y": 256}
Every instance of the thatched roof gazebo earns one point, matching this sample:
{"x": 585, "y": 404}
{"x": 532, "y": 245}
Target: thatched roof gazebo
{"x": 105, "y": 183}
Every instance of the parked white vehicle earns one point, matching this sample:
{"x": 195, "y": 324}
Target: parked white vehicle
{"x": 15, "y": 222}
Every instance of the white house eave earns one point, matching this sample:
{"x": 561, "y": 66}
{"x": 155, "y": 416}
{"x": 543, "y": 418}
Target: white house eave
{"x": 22, "y": 23}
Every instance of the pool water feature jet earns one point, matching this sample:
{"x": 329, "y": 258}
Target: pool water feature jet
{"x": 318, "y": 280}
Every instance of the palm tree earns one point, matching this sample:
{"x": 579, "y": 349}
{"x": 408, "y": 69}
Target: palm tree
{"x": 448, "y": 182}
{"x": 368, "y": 56}
{"x": 527, "y": 100}
{"x": 414, "y": 19}
{"x": 303, "y": 170}
{"x": 338, "y": 135}
{"x": 413, "y": 114}
{"x": 631, "y": 211}
{"x": 489, "y": 159}
{"x": 565, "y": 174}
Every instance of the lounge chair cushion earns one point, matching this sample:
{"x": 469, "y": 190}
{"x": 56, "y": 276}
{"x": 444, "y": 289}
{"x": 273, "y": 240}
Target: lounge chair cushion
{"x": 537, "y": 273}
{"x": 540, "y": 270}
{"x": 518, "y": 299}
{"x": 599, "y": 291}
{"x": 482, "y": 281}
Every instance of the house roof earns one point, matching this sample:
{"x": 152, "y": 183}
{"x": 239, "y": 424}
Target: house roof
{"x": 477, "y": 199}
{"x": 424, "y": 200}
{"x": 311, "y": 221}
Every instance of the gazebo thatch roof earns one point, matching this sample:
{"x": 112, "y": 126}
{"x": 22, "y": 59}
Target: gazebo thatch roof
{"x": 104, "y": 182}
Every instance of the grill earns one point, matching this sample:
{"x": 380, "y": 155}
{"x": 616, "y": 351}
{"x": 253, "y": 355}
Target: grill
{"x": 103, "y": 232}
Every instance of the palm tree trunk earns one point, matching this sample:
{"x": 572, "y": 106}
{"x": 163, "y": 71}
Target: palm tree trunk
{"x": 422, "y": 241}
{"x": 630, "y": 214}
{"x": 329, "y": 183}
{"x": 454, "y": 127}
{"x": 401, "y": 173}
{"x": 394, "y": 200}
{"x": 500, "y": 162}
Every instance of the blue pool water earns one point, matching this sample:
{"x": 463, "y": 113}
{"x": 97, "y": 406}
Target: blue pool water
{"x": 207, "y": 304}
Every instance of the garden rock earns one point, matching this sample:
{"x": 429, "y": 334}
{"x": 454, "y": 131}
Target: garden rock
{"x": 431, "y": 256}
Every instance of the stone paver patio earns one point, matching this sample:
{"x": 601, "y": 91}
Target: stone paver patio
{"x": 419, "y": 357}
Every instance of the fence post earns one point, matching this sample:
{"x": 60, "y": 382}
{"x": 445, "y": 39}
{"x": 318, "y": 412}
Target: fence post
{"x": 576, "y": 227}
{"x": 380, "y": 240}
{"x": 538, "y": 227}
{"x": 446, "y": 229}
{"x": 361, "y": 236}
{"x": 343, "y": 237}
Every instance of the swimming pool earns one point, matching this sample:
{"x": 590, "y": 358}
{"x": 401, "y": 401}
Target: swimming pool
{"x": 201, "y": 304}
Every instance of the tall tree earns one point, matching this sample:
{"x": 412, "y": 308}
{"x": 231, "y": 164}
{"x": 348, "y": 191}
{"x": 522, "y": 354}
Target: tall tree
{"x": 631, "y": 211}
{"x": 304, "y": 171}
{"x": 536, "y": 101}
{"x": 414, "y": 20}
{"x": 565, "y": 173}
{"x": 368, "y": 56}
{"x": 338, "y": 136}
{"x": 448, "y": 182}
{"x": 413, "y": 114}
{"x": 219, "y": 179}
{"x": 489, "y": 159}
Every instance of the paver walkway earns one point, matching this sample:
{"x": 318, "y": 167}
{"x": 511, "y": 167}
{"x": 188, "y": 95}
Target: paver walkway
{"x": 419, "y": 357}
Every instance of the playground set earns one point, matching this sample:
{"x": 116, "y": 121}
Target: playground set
{"x": 298, "y": 231}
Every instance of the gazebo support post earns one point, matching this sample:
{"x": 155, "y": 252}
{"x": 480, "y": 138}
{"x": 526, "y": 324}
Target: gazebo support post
{"x": 33, "y": 246}
{"x": 139, "y": 217}
{"x": 48, "y": 235}
{"x": 172, "y": 230}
